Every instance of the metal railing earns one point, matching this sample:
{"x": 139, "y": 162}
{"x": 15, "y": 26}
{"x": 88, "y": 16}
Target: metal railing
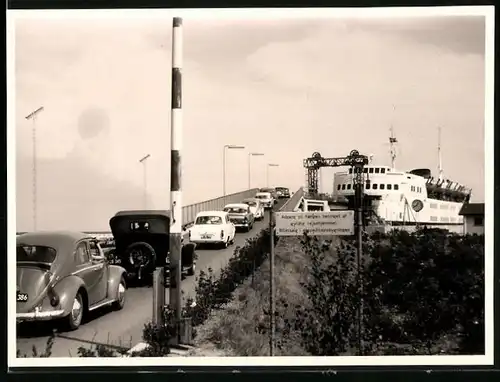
{"x": 189, "y": 212}
{"x": 293, "y": 202}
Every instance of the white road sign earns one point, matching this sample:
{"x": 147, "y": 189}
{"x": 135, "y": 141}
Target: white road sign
{"x": 315, "y": 223}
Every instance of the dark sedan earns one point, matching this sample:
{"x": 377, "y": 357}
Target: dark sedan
{"x": 240, "y": 215}
{"x": 283, "y": 192}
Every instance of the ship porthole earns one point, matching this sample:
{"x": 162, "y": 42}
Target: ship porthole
{"x": 417, "y": 205}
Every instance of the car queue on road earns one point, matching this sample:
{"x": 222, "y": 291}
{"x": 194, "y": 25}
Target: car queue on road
{"x": 219, "y": 227}
{"x": 64, "y": 275}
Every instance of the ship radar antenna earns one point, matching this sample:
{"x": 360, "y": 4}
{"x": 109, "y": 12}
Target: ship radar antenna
{"x": 392, "y": 142}
{"x": 440, "y": 164}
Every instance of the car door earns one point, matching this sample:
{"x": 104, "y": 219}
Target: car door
{"x": 231, "y": 227}
{"x": 251, "y": 215}
{"x": 101, "y": 270}
{"x": 227, "y": 226}
{"x": 85, "y": 270}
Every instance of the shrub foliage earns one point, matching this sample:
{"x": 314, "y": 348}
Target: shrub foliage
{"x": 419, "y": 289}
{"x": 212, "y": 291}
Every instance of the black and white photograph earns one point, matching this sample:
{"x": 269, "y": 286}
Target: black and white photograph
{"x": 272, "y": 183}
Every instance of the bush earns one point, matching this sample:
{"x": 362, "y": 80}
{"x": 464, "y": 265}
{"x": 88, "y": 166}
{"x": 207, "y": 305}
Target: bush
{"x": 212, "y": 292}
{"x": 423, "y": 293}
{"x": 327, "y": 325}
{"x": 242, "y": 327}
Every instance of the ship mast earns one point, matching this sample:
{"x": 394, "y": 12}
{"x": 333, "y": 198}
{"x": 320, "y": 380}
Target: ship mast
{"x": 440, "y": 164}
{"x": 392, "y": 142}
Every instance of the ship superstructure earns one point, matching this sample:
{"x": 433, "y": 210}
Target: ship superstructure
{"x": 406, "y": 197}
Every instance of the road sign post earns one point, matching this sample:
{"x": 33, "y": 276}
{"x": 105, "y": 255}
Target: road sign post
{"x": 272, "y": 308}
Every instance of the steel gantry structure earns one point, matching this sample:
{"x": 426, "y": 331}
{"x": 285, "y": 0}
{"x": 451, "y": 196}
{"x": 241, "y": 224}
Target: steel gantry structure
{"x": 316, "y": 162}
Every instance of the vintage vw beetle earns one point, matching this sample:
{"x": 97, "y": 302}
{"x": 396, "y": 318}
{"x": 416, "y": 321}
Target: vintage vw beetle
{"x": 64, "y": 275}
{"x": 142, "y": 239}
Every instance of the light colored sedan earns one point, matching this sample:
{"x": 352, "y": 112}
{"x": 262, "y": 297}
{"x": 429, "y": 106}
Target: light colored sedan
{"x": 266, "y": 199}
{"x": 256, "y": 207}
{"x": 240, "y": 215}
{"x": 212, "y": 227}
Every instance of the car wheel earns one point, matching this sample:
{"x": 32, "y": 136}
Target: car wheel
{"x": 120, "y": 298}
{"x": 75, "y": 316}
{"x": 191, "y": 271}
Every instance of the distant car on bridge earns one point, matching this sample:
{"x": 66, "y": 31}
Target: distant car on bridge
{"x": 272, "y": 191}
{"x": 282, "y": 192}
{"x": 64, "y": 275}
{"x": 240, "y": 215}
{"x": 266, "y": 199}
{"x": 212, "y": 227}
{"x": 256, "y": 207}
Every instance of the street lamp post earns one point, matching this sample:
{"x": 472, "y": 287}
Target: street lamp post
{"x": 145, "y": 179}
{"x": 267, "y": 171}
{"x": 33, "y": 115}
{"x": 250, "y": 155}
{"x": 228, "y": 147}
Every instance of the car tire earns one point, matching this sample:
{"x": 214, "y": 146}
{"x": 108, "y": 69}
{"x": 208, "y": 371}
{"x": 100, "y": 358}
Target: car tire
{"x": 151, "y": 264}
{"x": 192, "y": 270}
{"x": 120, "y": 298}
{"x": 75, "y": 316}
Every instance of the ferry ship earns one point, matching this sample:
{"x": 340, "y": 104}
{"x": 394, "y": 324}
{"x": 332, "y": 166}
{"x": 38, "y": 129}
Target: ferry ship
{"x": 394, "y": 197}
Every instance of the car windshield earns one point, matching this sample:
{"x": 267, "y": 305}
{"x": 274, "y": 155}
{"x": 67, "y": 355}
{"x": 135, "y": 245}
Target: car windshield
{"x": 208, "y": 220}
{"x": 251, "y": 203}
{"x": 266, "y": 190}
{"x": 235, "y": 210}
{"x": 263, "y": 196}
{"x": 36, "y": 253}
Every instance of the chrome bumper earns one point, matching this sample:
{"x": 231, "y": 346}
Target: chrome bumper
{"x": 39, "y": 316}
{"x": 240, "y": 224}
{"x": 207, "y": 241}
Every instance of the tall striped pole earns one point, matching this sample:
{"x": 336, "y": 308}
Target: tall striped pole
{"x": 175, "y": 175}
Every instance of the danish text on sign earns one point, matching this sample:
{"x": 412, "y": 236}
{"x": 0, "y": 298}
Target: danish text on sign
{"x": 315, "y": 223}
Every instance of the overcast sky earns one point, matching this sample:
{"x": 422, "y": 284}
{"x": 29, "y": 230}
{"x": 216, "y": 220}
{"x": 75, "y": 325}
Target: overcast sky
{"x": 286, "y": 88}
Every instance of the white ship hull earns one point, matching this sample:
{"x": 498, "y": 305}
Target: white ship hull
{"x": 399, "y": 198}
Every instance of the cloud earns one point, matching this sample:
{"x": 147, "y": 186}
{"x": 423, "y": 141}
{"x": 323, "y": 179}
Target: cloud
{"x": 458, "y": 34}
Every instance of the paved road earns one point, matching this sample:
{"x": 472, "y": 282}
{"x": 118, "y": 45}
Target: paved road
{"x": 123, "y": 328}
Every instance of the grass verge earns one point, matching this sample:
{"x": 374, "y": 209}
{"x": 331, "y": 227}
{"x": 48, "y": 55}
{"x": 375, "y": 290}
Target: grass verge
{"x": 241, "y": 326}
